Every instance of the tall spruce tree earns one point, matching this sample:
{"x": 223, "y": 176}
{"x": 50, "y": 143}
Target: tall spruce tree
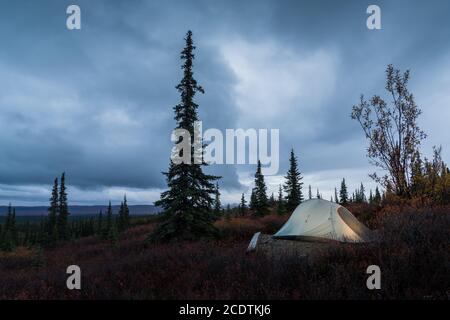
{"x": 243, "y": 206}
{"x": 336, "y": 198}
{"x": 309, "y": 192}
{"x": 188, "y": 202}
{"x": 293, "y": 185}
{"x": 261, "y": 205}
{"x": 343, "y": 193}
{"x": 63, "y": 211}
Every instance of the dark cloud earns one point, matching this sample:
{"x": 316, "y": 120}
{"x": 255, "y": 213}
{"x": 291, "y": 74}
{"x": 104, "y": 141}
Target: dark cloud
{"x": 97, "y": 103}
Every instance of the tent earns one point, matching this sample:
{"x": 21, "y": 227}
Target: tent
{"x": 318, "y": 219}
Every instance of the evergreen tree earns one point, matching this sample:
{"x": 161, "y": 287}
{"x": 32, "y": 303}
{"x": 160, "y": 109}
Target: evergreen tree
{"x": 53, "y": 214}
{"x": 377, "y": 197}
{"x": 281, "y": 209}
{"x": 217, "y": 203}
{"x": 261, "y": 205}
{"x": 309, "y": 192}
{"x": 362, "y": 196}
{"x": 253, "y": 199}
{"x": 243, "y": 206}
{"x": 343, "y": 194}
{"x": 318, "y": 194}
{"x": 63, "y": 212}
{"x": 188, "y": 202}
{"x": 9, "y": 232}
{"x": 418, "y": 180}
{"x": 121, "y": 219}
{"x": 124, "y": 215}
{"x": 293, "y": 185}
{"x": 112, "y": 235}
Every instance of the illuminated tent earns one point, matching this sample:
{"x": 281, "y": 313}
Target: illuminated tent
{"x": 318, "y": 219}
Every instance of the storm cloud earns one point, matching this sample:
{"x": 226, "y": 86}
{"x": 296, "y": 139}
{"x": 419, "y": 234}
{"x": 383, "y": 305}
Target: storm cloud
{"x": 97, "y": 102}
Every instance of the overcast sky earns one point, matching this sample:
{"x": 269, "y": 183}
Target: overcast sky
{"x": 97, "y": 102}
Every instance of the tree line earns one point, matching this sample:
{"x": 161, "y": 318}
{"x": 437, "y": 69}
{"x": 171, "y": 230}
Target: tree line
{"x": 56, "y": 228}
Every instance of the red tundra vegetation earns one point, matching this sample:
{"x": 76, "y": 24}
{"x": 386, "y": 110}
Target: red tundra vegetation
{"x": 413, "y": 256}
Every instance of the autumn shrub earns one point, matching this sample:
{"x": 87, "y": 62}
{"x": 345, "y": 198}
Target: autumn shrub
{"x": 412, "y": 253}
{"x": 272, "y": 223}
{"x": 238, "y": 228}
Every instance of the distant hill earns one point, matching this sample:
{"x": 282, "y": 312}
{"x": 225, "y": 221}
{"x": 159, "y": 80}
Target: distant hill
{"x": 81, "y": 210}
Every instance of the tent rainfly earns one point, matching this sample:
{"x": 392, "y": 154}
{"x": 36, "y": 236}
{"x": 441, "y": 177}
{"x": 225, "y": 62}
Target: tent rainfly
{"x": 318, "y": 219}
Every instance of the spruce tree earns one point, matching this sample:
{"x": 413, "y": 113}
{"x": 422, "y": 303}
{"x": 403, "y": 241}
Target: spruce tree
{"x": 343, "y": 193}
{"x": 63, "y": 210}
{"x": 121, "y": 218}
{"x": 217, "y": 203}
{"x": 377, "y": 197}
{"x": 9, "y": 232}
{"x": 53, "y": 214}
{"x": 361, "y": 193}
{"x": 336, "y": 198}
{"x": 309, "y": 192}
{"x": 112, "y": 235}
{"x": 126, "y": 213}
{"x": 261, "y": 205}
{"x": 188, "y": 202}
{"x": 253, "y": 199}
{"x": 293, "y": 185}
{"x": 243, "y": 206}
{"x": 280, "y": 203}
